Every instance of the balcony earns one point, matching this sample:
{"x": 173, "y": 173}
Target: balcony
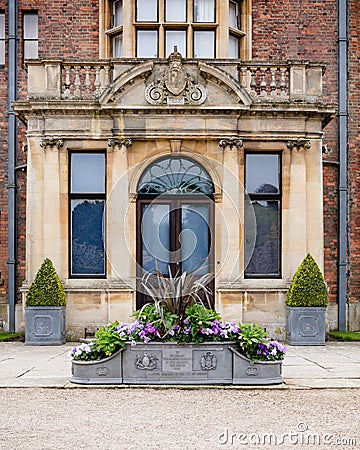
{"x": 263, "y": 81}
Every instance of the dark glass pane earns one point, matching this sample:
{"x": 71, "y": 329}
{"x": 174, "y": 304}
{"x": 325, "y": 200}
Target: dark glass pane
{"x": 87, "y": 173}
{"x": 264, "y": 256}
{"x": 262, "y": 173}
{"x": 155, "y": 233}
{"x": 195, "y": 238}
{"x": 87, "y": 237}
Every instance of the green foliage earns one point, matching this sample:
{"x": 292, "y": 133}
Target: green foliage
{"x": 9, "y": 336}
{"x": 165, "y": 319}
{"x": 196, "y": 318}
{"x": 308, "y": 287}
{"x": 345, "y": 336}
{"x": 251, "y": 336}
{"x": 46, "y": 289}
{"x": 108, "y": 340}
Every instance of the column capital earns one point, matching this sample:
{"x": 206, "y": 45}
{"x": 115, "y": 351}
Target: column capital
{"x": 230, "y": 142}
{"x": 113, "y": 142}
{"x": 51, "y": 142}
{"x": 299, "y": 143}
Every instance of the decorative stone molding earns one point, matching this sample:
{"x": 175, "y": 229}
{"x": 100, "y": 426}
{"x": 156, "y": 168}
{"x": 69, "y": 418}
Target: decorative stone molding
{"x": 231, "y": 143}
{"x": 51, "y": 142}
{"x": 113, "y": 142}
{"x": 299, "y": 143}
{"x": 175, "y": 86}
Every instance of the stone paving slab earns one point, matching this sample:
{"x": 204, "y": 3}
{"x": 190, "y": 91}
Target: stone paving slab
{"x": 335, "y": 365}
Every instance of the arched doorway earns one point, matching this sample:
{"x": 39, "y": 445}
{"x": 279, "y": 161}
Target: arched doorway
{"x": 175, "y": 221}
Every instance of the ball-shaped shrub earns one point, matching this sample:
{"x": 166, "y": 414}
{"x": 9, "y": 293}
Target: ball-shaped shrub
{"x": 46, "y": 289}
{"x": 308, "y": 287}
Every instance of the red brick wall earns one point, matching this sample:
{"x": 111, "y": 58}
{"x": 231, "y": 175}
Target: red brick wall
{"x": 354, "y": 149}
{"x": 307, "y": 29}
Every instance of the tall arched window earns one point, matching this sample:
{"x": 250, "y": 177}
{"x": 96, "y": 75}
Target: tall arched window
{"x": 175, "y": 219}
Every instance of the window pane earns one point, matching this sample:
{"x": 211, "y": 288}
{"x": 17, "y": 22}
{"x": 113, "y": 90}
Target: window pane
{"x": 204, "y": 44}
{"x": 147, "y": 41}
{"x": 2, "y": 52}
{"x": 195, "y": 237}
{"x": 204, "y": 10}
{"x": 155, "y": 232}
{"x": 2, "y": 26}
{"x": 262, "y": 173}
{"x": 87, "y": 173}
{"x": 146, "y": 11}
{"x": 30, "y": 49}
{"x": 87, "y": 237}
{"x": 175, "y": 10}
{"x": 264, "y": 257}
{"x": 233, "y": 47}
{"x": 30, "y": 26}
{"x": 175, "y": 37}
{"x": 233, "y": 15}
{"x": 117, "y": 19}
{"x": 117, "y": 46}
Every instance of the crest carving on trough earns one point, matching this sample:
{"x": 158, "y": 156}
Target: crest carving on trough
{"x": 175, "y": 86}
{"x": 208, "y": 361}
{"x": 145, "y": 361}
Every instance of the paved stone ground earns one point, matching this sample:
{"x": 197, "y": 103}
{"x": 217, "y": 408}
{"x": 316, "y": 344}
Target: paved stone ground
{"x": 171, "y": 419}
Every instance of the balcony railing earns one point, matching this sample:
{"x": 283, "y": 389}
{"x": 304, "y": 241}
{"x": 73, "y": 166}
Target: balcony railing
{"x": 265, "y": 81}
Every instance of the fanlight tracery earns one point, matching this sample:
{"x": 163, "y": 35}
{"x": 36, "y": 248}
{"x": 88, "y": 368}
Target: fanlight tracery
{"x": 175, "y": 175}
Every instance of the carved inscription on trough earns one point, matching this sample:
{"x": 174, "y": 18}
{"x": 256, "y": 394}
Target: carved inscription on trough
{"x": 176, "y": 361}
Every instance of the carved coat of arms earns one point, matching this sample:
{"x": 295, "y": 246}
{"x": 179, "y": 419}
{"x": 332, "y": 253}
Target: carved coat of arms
{"x": 175, "y": 86}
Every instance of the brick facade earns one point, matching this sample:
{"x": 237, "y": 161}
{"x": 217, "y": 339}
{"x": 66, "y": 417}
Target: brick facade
{"x": 281, "y": 31}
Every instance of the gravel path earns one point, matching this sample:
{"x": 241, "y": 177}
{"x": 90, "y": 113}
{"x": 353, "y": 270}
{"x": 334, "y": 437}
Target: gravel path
{"x": 145, "y": 418}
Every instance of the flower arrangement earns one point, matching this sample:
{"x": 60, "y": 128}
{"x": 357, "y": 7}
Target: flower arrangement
{"x": 197, "y": 325}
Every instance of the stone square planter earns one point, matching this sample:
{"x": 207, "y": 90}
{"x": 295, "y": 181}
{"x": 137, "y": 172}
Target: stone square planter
{"x": 305, "y": 325}
{"x": 45, "y": 325}
{"x": 104, "y": 371}
{"x": 246, "y": 372}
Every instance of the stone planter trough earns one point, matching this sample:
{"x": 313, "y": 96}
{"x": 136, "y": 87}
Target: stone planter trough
{"x": 171, "y": 363}
{"x": 305, "y": 325}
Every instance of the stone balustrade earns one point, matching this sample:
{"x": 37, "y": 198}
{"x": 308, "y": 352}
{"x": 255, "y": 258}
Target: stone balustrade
{"x": 265, "y": 81}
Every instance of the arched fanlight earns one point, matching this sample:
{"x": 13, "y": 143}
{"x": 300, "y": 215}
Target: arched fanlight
{"x": 175, "y": 175}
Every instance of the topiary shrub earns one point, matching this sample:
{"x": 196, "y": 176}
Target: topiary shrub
{"x": 308, "y": 287}
{"x": 46, "y": 289}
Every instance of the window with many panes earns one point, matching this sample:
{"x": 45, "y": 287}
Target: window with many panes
{"x": 151, "y": 28}
{"x": 87, "y": 203}
{"x": 30, "y": 34}
{"x": 263, "y": 215}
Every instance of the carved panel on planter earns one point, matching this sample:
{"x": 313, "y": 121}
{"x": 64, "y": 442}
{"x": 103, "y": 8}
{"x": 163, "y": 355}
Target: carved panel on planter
{"x": 145, "y": 361}
{"x": 208, "y": 361}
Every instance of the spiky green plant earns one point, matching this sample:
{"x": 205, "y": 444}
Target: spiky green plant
{"x": 174, "y": 293}
{"x": 308, "y": 287}
{"x": 46, "y": 289}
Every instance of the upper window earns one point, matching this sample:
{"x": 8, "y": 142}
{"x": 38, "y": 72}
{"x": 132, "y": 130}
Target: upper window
{"x": 2, "y": 38}
{"x": 262, "y": 215}
{"x": 87, "y": 203}
{"x": 30, "y": 34}
{"x": 151, "y": 28}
